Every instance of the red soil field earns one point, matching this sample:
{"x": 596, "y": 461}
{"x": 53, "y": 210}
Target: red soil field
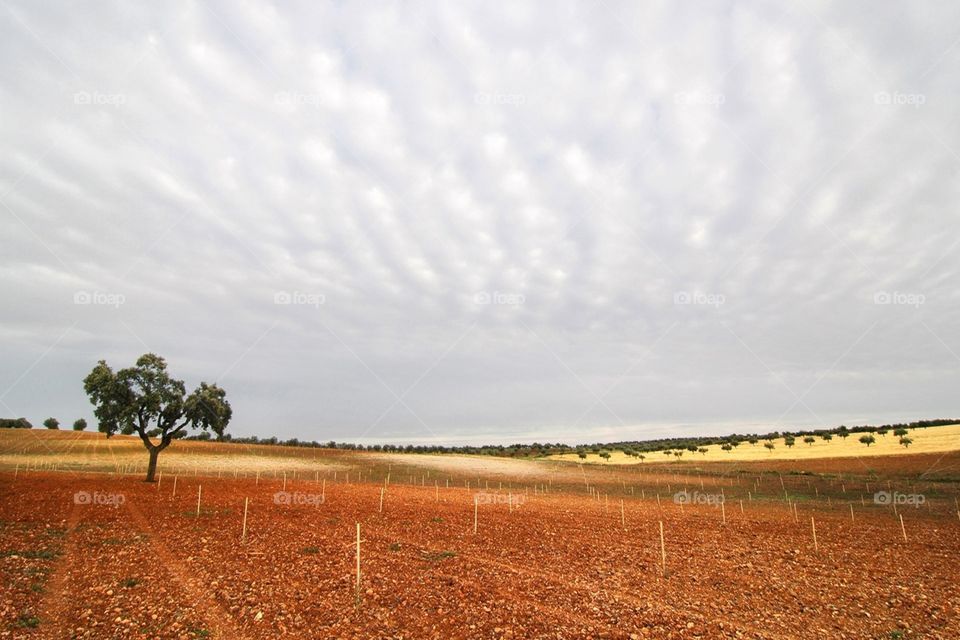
{"x": 559, "y": 565}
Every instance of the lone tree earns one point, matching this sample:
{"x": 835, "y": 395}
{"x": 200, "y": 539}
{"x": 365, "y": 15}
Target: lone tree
{"x": 809, "y": 440}
{"x": 867, "y": 440}
{"x": 79, "y": 424}
{"x": 145, "y": 400}
{"x": 51, "y": 423}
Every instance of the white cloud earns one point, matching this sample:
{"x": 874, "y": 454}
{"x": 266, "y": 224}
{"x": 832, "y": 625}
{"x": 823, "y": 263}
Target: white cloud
{"x": 581, "y": 166}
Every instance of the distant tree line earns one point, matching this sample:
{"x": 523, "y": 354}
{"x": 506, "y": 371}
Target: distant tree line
{"x": 635, "y": 448}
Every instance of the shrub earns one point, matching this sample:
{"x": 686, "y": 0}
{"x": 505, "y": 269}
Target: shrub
{"x": 79, "y": 424}
{"x": 809, "y": 440}
{"x": 51, "y": 423}
{"x": 906, "y": 442}
{"x": 770, "y": 446}
{"x": 727, "y": 447}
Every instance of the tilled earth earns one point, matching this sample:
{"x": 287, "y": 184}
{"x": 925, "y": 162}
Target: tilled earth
{"x": 559, "y": 565}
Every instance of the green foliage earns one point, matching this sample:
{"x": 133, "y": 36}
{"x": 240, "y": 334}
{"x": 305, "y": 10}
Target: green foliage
{"x": 867, "y": 440}
{"x": 809, "y": 440}
{"x": 146, "y": 400}
{"x": 906, "y": 442}
{"x": 15, "y": 423}
{"x": 51, "y": 423}
{"x": 28, "y": 622}
{"x": 79, "y": 424}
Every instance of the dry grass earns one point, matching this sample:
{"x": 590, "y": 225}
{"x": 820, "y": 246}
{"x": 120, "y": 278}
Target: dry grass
{"x": 929, "y": 440}
{"x": 85, "y": 451}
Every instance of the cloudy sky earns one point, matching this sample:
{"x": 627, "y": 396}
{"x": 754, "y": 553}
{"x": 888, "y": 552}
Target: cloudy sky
{"x": 476, "y": 222}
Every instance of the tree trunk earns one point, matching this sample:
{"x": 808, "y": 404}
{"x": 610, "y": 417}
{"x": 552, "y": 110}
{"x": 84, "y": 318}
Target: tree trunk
{"x": 152, "y": 468}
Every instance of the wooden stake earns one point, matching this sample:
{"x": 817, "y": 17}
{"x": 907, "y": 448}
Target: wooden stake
{"x": 813, "y": 525}
{"x": 174, "y": 487}
{"x": 258, "y": 478}
{"x": 741, "y": 507}
{"x": 284, "y": 481}
{"x": 323, "y": 491}
{"x": 474, "y": 514}
{"x": 243, "y": 536}
{"x": 358, "y": 559}
{"x": 851, "y": 513}
{"x": 381, "y": 499}
{"x": 159, "y": 480}
{"x": 663, "y": 552}
{"x": 623, "y": 521}
{"x": 199, "y": 491}
{"x": 723, "y": 512}
{"x": 902, "y": 528}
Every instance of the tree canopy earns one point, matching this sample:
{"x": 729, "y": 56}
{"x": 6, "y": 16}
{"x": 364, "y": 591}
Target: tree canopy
{"x": 146, "y": 400}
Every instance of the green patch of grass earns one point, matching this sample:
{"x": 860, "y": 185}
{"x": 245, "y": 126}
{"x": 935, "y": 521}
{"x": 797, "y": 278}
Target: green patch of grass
{"x": 311, "y": 550}
{"x": 199, "y": 633}
{"x": 36, "y": 587}
{"x": 27, "y": 622}
{"x": 437, "y": 519}
{"x": 436, "y": 556}
{"x": 55, "y": 532}
{"x": 44, "y": 554}
{"x": 129, "y": 583}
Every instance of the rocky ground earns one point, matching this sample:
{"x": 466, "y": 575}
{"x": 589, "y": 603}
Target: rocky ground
{"x": 128, "y": 560}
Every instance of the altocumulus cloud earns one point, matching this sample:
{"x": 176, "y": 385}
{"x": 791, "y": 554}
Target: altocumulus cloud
{"x": 466, "y": 222}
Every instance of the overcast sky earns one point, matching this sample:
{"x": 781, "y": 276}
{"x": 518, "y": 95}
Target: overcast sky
{"x": 486, "y": 222}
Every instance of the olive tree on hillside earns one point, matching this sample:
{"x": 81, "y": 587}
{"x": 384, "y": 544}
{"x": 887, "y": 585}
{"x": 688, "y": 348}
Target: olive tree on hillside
{"x": 145, "y": 400}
